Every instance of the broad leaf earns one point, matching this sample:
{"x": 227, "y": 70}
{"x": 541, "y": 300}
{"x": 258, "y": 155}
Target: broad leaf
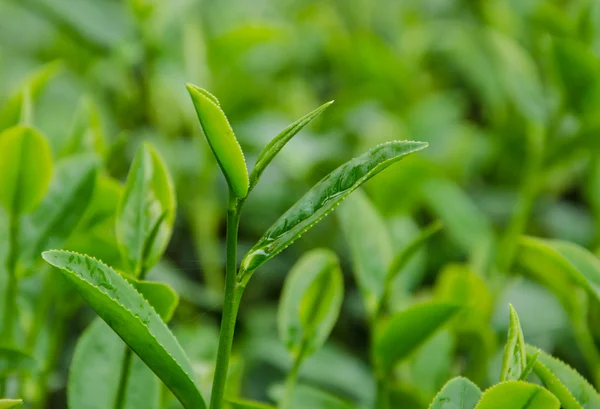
{"x": 25, "y": 166}
{"x": 458, "y": 393}
{"x": 10, "y": 403}
{"x": 573, "y": 391}
{"x": 517, "y": 395}
{"x": 370, "y": 246}
{"x": 408, "y": 330}
{"x": 146, "y": 212}
{"x": 160, "y": 296}
{"x": 221, "y": 139}
{"x": 248, "y": 404}
{"x": 569, "y": 260}
{"x": 14, "y": 361}
{"x": 514, "y": 360}
{"x": 273, "y": 147}
{"x": 27, "y": 93}
{"x": 323, "y": 198}
{"x": 310, "y": 302}
{"x": 96, "y": 370}
{"x": 69, "y": 195}
{"x": 133, "y": 319}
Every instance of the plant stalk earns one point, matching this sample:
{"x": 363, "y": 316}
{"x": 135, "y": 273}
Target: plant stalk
{"x": 125, "y": 370}
{"x": 10, "y": 303}
{"x": 292, "y": 378}
{"x": 233, "y": 295}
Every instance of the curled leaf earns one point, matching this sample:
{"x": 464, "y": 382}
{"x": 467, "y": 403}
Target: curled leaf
{"x": 127, "y": 312}
{"x": 323, "y": 198}
{"x": 221, "y": 139}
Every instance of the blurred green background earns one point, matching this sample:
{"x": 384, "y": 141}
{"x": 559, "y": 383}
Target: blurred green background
{"x": 507, "y": 93}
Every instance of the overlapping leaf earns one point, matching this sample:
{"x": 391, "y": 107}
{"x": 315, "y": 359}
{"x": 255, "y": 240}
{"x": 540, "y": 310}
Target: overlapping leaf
{"x": 133, "y": 319}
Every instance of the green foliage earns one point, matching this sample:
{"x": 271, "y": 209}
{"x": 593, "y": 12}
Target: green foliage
{"x": 15, "y": 361}
{"x": 133, "y": 319}
{"x": 458, "y": 393}
{"x": 10, "y": 403}
{"x": 26, "y": 165}
{"x": 514, "y": 360}
{"x": 517, "y": 395}
{"x": 146, "y": 212}
{"x": 248, "y": 404}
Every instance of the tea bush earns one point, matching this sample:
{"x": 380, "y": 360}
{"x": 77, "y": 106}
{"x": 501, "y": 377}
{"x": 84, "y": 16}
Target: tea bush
{"x": 146, "y": 258}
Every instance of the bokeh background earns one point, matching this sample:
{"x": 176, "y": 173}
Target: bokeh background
{"x": 507, "y": 93}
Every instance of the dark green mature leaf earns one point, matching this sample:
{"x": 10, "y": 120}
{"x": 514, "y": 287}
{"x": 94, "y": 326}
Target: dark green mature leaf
{"x": 68, "y": 197}
{"x": 370, "y": 246}
{"x": 133, "y": 319}
{"x": 310, "y": 302}
{"x": 323, "y": 198}
{"x": 25, "y": 166}
{"x": 458, "y": 393}
{"x": 221, "y": 139}
{"x": 28, "y": 92}
{"x": 273, "y": 147}
{"x": 409, "y": 329}
{"x": 568, "y": 260}
{"x": 248, "y": 404}
{"x": 515, "y": 357}
{"x": 146, "y": 212}
{"x": 517, "y": 395}
{"x": 96, "y": 369}
{"x": 573, "y": 391}
{"x": 10, "y": 403}
{"x": 15, "y": 361}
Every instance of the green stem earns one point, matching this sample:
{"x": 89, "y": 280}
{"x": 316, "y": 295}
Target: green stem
{"x": 10, "y": 302}
{"x": 123, "y": 380}
{"x": 292, "y": 378}
{"x": 233, "y": 295}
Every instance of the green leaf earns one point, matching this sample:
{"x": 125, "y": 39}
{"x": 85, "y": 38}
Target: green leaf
{"x": 221, "y": 139}
{"x": 160, "y": 296}
{"x": 323, "y": 198}
{"x": 15, "y": 361}
{"x": 273, "y": 147}
{"x": 248, "y": 404}
{"x": 25, "y": 166}
{"x": 305, "y": 396}
{"x": 517, "y": 395}
{"x": 133, "y": 319}
{"x": 515, "y": 359}
{"x": 573, "y": 391}
{"x": 310, "y": 302}
{"x": 10, "y": 403}
{"x": 370, "y": 247}
{"x": 569, "y": 261}
{"x": 458, "y": 393}
{"x": 64, "y": 205}
{"x": 146, "y": 212}
{"x": 464, "y": 222}
{"x": 86, "y": 131}
{"x": 28, "y": 92}
{"x": 408, "y": 330}
{"x": 95, "y": 373}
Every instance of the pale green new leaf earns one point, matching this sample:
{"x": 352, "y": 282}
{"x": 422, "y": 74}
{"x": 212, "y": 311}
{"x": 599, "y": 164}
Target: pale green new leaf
{"x": 408, "y": 330}
{"x": 458, "y": 393}
{"x": 221, "y": 139}
{"x": 10, "y": 403}
{"x": 310, "y": 302}
{"x": 514, "y": 360}
{"x": 323, "y": 198}
{"x": 133, "y": 319}
{"x": 96, "y": 369}
{"x": 370, "y": 246}
{"x": 64, "y": 205}
{"x": 572, "y": 389}
{"x": 25, "y": 166}
{"x": 273, "y": 147}
{"x": 517, "y": 395}
{"x": 27, "y": 93}
{"x": 13, "y": 361}
{"x": 568, "y": 260}
{"x": 146, "y": 212}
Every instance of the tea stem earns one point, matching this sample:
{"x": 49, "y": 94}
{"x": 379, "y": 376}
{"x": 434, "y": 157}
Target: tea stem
{"x": 125, "y": 370}
{"x": 292, "y": 378}
{"x": 233, "y": 295}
